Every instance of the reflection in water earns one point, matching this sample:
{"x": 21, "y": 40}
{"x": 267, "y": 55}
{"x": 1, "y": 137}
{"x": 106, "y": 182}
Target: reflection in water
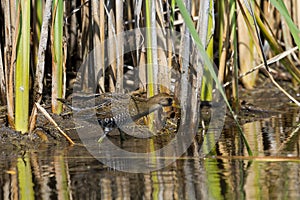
{"x": 188, "y": 178}
{"x": 72, "y": 173}
{"x": 25, "y": 178}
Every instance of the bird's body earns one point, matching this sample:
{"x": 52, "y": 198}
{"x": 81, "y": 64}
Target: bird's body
{"x": 113, "y": 110}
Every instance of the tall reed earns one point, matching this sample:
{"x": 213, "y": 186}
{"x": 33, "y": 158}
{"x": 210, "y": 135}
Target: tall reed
{"x": 207, "y": 83}
{"x": 234, "y": 49}
{"x": 22, "y": 69}
{"x": 57, "y": 56}
{"x": 93, "y": 21}
{"x": 207, "y": 62}
{"x": 151, "y": 88}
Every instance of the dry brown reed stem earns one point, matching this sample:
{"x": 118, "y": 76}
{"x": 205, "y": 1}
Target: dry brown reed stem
{"x": 246, "y": 46}
{"x": 160, "y": 14}
{"x": 7, "y": 47}
{"x": 282, "y": 90}
{"x": 102, "y": 51}
{"x": 85, "y": 41}
{"x": 95, "y": 25}
{"x": 276, "y": 47}
{"x": 223, "y": 40}
{"x": 120, "y": 48}
{"x": 129, "y": 14}
{"x": 296, "y": 17}
{"x": 154, "y": 48}
{"x": 198, "y": 62}
{"x": 46, "y": 114}
{"x": 170, "y": 44}
{"x": 8, "y": 41}
{"x": 164, "y": 77}
{"x": 112, "y": 50}
{"x": 140, "y": 41}
{"x": 275, "y": 59}
{"x": 2, "y": 79}
{"x": 33, "y": 117}
{"x": 184, "y": 63}
{"x": 251, "y": 30}
{"x": 70, "y": 31}
{"x": 40, "y": 68}
{"x": 10, "y": 71}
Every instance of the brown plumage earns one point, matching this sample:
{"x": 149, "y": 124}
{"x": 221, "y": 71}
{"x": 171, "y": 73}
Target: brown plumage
{"x": 116, "y": 109}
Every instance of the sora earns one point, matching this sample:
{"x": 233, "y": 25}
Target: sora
{"x": 115, "y": 109}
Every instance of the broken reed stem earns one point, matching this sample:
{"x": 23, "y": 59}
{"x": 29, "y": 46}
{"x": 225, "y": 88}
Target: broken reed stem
{"x": 269, "y": 62}
{"x": 282, "y": 90}
{"x": 46, "y": 114}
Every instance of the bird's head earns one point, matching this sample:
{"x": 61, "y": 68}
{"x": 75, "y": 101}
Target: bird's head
{"x": 162, "y": 99}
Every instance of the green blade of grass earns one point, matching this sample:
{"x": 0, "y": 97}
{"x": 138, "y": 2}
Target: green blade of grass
{"x": 150, "y": 64}
{"x": 57, "y": 56}
{"x": 277, "y": 49}
{"x": 22, "y": 70}
{"x": 233, "y": 36}
{"x": 280, "y": 6}
{"x": 149, "y": 51}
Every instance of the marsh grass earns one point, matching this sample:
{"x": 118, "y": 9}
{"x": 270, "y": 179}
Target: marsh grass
{"x": 77, "y": 28}
{"x": 22, "y": 68}
{"x": 57, "y": 50}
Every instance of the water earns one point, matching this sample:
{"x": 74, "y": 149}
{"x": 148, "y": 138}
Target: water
{"x": 52, "y": 171}
{"x": 189, "y": 178}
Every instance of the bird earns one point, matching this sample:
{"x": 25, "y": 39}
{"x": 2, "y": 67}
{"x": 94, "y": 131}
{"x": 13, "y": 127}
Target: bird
{"x": 114, "y": 110}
